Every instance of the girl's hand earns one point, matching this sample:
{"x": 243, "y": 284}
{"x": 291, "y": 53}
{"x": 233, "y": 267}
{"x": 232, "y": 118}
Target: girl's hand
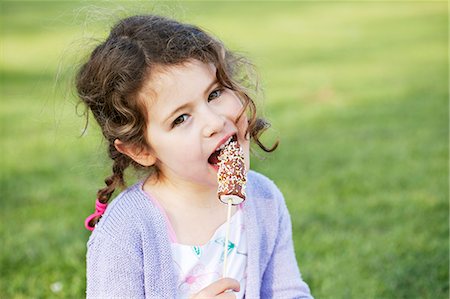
{"x": 218, "y": 289}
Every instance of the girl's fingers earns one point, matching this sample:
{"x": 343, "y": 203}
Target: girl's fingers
{"x": 226, "y": 295}
{"x": 219, "y": 287}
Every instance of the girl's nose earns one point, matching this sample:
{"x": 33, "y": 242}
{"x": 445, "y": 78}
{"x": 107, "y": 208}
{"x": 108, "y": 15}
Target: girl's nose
{"x": 212, "y": 123}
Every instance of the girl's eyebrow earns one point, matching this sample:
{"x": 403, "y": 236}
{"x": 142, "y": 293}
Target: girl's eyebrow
{"x": 182, "y": 107}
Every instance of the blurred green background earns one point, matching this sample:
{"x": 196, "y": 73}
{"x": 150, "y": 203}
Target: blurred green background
{"x": 357, "y": 93}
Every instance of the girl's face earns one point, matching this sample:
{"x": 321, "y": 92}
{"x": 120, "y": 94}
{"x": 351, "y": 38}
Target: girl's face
{"x": 191, "y": 115}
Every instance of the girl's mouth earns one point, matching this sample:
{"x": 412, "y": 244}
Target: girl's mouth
{"x": 214, "y": 157}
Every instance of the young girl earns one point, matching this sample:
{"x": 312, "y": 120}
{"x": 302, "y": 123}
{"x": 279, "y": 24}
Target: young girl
{"x": 168, "y": 97}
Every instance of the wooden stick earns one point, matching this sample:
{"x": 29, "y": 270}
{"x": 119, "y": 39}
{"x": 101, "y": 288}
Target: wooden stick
{"x": 227, "y": 238}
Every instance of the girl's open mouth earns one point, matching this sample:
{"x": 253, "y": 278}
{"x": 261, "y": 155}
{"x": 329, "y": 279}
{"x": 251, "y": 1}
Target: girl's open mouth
{"x": 214, "y": 158}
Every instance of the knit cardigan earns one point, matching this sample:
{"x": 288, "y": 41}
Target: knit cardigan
{"x": 129, "y": 253}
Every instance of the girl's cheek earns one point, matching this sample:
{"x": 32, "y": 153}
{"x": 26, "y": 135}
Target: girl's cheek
{"x": 242, "y": 125}
{"x": 233, "y": 107}
{"x": 237, "y": 108}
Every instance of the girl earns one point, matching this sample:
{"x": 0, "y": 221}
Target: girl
{"x": 167, "y": 97}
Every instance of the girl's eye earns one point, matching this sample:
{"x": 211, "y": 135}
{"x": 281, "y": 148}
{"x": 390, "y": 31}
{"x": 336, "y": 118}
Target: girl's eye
{"x": 179, "y": 120}
{"x": 215, "y": 94}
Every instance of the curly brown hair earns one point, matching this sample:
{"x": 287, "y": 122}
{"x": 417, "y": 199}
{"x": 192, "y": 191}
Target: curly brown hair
{"x": 109, "y": 82}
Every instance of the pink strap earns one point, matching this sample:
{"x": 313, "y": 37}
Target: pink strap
{"x": 99, "y": 210}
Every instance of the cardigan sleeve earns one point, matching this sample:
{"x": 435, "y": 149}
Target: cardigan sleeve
{"x": 112, "y": 270}
{"x": 282, "y": 278}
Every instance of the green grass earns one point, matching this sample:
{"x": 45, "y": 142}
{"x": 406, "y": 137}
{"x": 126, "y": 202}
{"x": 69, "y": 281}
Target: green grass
{"x": 357, "y": 93}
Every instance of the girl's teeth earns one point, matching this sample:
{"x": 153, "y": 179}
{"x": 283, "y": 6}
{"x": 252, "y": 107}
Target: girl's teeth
{"x": 223, "y": 145}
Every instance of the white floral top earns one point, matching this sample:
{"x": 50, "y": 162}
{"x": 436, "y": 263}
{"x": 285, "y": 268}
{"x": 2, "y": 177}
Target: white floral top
{"x": 199, "y": 266}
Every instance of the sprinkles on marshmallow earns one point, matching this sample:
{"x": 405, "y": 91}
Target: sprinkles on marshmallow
{"x": 231, "y": 175}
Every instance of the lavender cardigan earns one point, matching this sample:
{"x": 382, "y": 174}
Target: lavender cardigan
{"x": 129, "y": 253}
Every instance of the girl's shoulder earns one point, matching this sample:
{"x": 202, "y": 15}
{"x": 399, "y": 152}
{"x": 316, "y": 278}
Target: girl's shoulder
{"x": 265, "y": 208}
{"x": 130, "y": 214}
{"x": 260, "y": 186}
{"x": 264, "y": 195}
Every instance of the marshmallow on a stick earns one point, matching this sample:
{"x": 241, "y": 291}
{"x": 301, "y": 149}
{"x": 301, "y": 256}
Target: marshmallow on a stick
{"x": 231, "y": 175}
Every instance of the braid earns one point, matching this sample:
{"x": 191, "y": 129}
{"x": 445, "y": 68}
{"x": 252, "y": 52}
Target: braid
{"x": 120, "y": 163}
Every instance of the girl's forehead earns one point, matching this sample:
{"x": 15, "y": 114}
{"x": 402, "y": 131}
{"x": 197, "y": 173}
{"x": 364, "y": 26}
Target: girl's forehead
{"x": 173, "y": 73}
{"x": 166, "y": 82}
{"x": 169, "y": 85}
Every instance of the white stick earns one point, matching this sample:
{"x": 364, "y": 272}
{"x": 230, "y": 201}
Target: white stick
{"x": 227, "y": 237}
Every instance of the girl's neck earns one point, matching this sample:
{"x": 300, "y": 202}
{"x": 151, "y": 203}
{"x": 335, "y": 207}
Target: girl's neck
{"x": 181, "y": 195}
{"x": 194, "y": 213}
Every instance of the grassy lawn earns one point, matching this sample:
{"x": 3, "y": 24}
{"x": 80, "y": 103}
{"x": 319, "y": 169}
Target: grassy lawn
{"x": 358, "y": 96}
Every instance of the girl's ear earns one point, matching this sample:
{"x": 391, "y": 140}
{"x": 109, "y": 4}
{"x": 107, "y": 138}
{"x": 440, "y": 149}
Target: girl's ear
{"x": 140, "y": 155}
